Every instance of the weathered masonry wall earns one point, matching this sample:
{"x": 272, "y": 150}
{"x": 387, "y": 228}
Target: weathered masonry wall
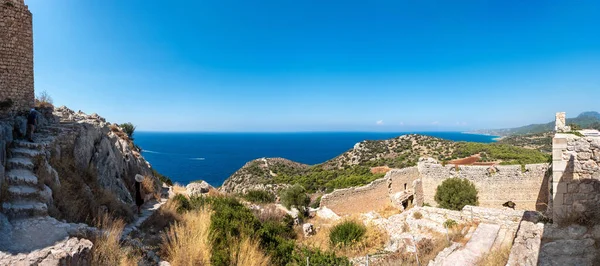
{"x": 16, "y": 56}
{"x": 527, "y": 187}
{"x": 373, "y": 196}
{"x": 576, "y": 174}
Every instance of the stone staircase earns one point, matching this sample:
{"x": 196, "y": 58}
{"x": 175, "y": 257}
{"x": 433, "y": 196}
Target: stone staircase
{"x": 485, "y": 238}
{"x": 25, "y": 193}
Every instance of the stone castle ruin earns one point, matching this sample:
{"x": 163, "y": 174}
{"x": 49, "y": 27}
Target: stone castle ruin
{"x": 570, "y": 185}
{"x": 16, "y": 57}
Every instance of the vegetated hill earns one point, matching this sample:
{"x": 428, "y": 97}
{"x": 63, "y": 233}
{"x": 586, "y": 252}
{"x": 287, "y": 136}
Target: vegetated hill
{"x": 538, "y": 141}
{"x": 584, "y": 120}
{"x": 259, "y": 174}
{"x": 353, "y": 167}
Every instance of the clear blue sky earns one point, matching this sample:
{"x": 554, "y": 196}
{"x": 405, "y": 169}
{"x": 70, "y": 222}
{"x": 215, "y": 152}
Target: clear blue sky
{"x": 282, "y": 65}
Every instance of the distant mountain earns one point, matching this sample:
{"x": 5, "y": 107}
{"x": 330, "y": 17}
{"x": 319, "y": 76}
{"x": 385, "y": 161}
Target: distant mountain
{"x": 584, "y": 120}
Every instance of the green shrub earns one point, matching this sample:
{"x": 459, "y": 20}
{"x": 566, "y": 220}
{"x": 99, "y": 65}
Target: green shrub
{"x": 417, "y": 215}
{"x": 162, "y": 178}
{"x": 232, "y": 220}
{"x": 183, "y": 204}
{"x": 316, "y": 203}
{"x": 455, "y": 193}
{"x": 128, "y": 128}
{"x": 295, "y": 196}
{"x": 426, "y": 204}
{"x": 317, "y": 257}
{"x": 346, "y": 233}
{"x": 450, "y": 223}
{"x": 259, "y": 196}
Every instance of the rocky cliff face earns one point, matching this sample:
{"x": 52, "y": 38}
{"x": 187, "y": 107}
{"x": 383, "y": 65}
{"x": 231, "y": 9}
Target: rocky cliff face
{"x": 100, "y": 146}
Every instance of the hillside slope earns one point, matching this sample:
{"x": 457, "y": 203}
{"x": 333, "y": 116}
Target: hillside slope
{"x": 354, "y": 167}
{"x": 585, "y": 120}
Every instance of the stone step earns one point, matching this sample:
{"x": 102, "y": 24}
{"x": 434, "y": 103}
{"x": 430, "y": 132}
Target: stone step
{"x": 25, "y": 192}
{"x": 21, "y": 177}
{"x": 20, "y": 163}
{"x": 502, "y": 233}
{"x": 29, "y": 145}
{"x": 480, "y": 243}
{"x": 24, "y": 208}
{"x": 25, "y": 152}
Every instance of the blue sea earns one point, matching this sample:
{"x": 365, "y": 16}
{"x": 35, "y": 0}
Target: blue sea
{"x": 213, "y": 157}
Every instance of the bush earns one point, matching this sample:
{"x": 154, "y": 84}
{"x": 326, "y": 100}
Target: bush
{"x": 450, "y": 223}
{"x": 259, "y": 196}
{"x": 162, "y": 178}
{"x": 188, "y": 242}
{"x": 43, "y": 100}
{"x": 455, "y": 193}
{"x": 346, "y": 233}
{"x": 107, "y": 249}
{"x": 295, "y": 196}
{"x": 129, "y": 129}
{"x": 317, "y": 203}
{"x": 417, "y": 215}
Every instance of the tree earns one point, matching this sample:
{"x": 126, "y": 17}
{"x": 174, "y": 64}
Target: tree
{"x": 574, "y": 126}
{"x": 455, "y": 193}
{"x": 128, "y": 128}
{"x": 295, "y": 196}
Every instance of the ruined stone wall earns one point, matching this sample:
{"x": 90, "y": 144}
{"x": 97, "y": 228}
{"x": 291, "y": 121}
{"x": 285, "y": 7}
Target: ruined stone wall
{"x": 372, "y": 197}
{"x": 495, "y": 184}
{"x": 576, "y": 174}
{"x": 503, "y": 216}
{"x": 402, "y": 179}
{"x": 16, "y": 56}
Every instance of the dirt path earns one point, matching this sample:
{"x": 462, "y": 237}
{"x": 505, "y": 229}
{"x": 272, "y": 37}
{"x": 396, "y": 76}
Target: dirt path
{"x": 147, "y": 210}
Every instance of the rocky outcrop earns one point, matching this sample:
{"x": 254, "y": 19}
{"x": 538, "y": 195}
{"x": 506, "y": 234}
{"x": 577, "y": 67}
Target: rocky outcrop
{"x": 197, "y": 188}
{"x": 73, "y": 251}
{"x": 258, "y": 175}
{"x": 101, "y": 147}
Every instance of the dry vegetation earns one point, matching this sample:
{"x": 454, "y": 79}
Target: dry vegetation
{"x": 498, "y": 257}
{"x": 388, "y": 211}
{"x": 79, "y": 196}
{"x": 247, "y": 253}
{"x": 188, "y": 242}
{"x": 43, "y": 100}
{"x": 149, "y": 186}
{"x": 372, "y": 242}
{"x": 427, "y": 250}
{"x": 107, "y": 250}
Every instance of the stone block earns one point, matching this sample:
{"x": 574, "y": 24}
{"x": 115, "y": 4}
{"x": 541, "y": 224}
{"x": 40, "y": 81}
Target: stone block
{"x": 559, "y": 165}
{"x": 559, "y": 141}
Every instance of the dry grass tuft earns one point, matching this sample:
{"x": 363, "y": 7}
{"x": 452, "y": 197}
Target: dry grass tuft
{"x": 498, "y": 257}
{"x": 188, "y": 242}
{"x": 248, "y": 253}
{"x": 388, "y": 211}
{"x": 179, "y": 189}
{"x": 269, "y": 212}
{"x": 164, "y": 217}
{"x": 417, "y": 215}
{"x": 107, "y": 250}
{"x": 427, "y": 250}
{"x": 150, "y": 187}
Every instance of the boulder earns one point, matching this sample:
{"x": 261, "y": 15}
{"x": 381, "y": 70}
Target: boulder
{"x": 326, "y": 213}
{"x": 308, "y": 229}
{"x": 197, "y": 188}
